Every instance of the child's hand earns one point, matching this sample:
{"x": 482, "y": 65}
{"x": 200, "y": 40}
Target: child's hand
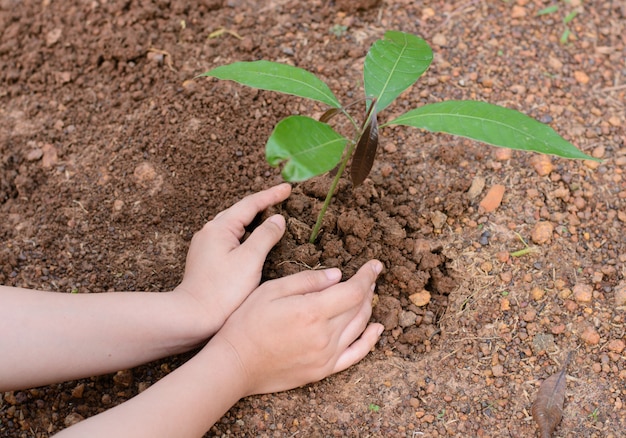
{"x": 302, "y": 328}
{"x": 221, "y": 271}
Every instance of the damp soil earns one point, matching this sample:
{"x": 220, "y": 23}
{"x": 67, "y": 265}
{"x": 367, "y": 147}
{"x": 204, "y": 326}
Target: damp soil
{"x": 112, "y": 155}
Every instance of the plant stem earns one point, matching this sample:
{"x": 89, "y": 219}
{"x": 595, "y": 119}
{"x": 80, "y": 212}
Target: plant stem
{"x": 331, "y": 192}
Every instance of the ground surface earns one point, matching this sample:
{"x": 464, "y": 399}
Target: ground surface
{"x": 111, "y": 156}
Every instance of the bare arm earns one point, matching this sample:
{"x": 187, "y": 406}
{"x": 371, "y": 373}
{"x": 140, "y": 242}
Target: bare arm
{"x": 49, "y": 337}
{"x": 289, "y": 332}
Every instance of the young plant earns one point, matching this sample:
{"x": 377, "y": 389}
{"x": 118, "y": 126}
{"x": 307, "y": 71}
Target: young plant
{"x": 307, "y": 147}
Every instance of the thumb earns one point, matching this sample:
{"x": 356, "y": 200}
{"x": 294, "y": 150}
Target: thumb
{"x": 263, "y": 238}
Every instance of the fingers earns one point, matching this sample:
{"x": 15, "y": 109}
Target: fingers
{"x": 304, "y": 282}
{"x": 262, "y": 240}
{"x": 348, "y": 296}
{"x": 243, "y": 212}
{"x": 359, "y": 348}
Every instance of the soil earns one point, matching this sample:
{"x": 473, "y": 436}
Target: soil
{"x": 112, "y": 155}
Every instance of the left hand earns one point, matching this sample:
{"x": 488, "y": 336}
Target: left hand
{"x": 221, "y": 271}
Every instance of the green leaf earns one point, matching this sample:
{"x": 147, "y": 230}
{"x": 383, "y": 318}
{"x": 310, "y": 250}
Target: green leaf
{"x": 394, "y": 64}
{"x": 569, "y": 17}
{"x": 490, "y": 124}
{"x": 274, "y": 76}
{"x": 548, "y": 10}
{"x": 307, "y": 147}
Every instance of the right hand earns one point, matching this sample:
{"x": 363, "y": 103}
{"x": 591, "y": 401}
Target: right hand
{"x": 302, "y": 328}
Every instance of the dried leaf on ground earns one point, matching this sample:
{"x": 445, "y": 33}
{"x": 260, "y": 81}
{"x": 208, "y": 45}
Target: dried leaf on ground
{"x": 547, "y": 409}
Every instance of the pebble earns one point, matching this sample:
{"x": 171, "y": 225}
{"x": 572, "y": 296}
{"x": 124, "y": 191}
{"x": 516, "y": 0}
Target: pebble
{"x": 518, "y": 11}
{"x": 50, "y": 157}
{"x": 78, "y": 391}
{"x": 497, "y": 370}
{"x": 440, "y": 40}
{"x": 407, "y": 318}
{"x": 34, "y": 154}
{"x": 123, "y": 378}
{"x": 616, "y": 346}
{"x": 620, "y": 294}
{"x": 542, "y": 232}
{"x": 583, "y": 293}
{"x": 598, "y": 152}
{"x": 581, "y": 77}
{"x": 438, "y": 219}
{"x": 72, "y": 419}
{"x": 421, "y": 298}
{"x": 477, "y": 186}
{"x": 542, "y": 164}
{"x": 590, "y": 336}
{"x": 390, "y": 148}
{"x": 537, "y": 293}
{"x": 555, "y": 63}
{"x": 493, "y": 198}
{"x": 503, "y": 154}
{"x": 615, "y": 121}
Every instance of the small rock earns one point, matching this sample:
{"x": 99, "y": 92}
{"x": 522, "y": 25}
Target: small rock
{"x": 77, "y": 392}
{"x": 478, "y": 184}
{"x": 34, "y": 154}
{"x": 542, "y": 164}
{"x": 518, "y": 11}
{"x": 118, "y": 205}
{"x": 620, "y": 294}
{"x": 529, "y": 315}
{"x": 598, "y": 152}
{"x": 557, "y": 329}
{"x": 615, "y": 121}
{"x": 581, "y": 77}
{"x": 493, "y": 198}
{"x": 542, "y": 232}
{"x": 142, "y": 386}
{"x": 123, "y": 378}
{"x": 390, "y": 148}
{"x": 407, "y": 318}
{"x": 537, "y": 293}
{"x": 440, "y": 40}
{"x": 503, "y": 154}
{"x": 53, "y": 36}
{"x": 497, "y": 370}
{"x": 590, "y": 336}
{"x": 555, "y": 63}
{"x": 616, "y": 346}
{"x": 144, "y": 173}
{"x": 420, "y": 299}
{"x": 438, "y": 219}
{"x": 72, "y": 419}
{"x": 543, "y": 342}
{"x": 505, "y": 304}
{"x": 583, "y": 293}
{"x": 50, "y": 157}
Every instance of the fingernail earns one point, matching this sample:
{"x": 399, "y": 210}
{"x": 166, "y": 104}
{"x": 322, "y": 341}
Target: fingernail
{"x": 381, "y": 329}
{"x": 278, "y": 220}
{"x": 378, "y": 267}
{"x": 333, "y": 274}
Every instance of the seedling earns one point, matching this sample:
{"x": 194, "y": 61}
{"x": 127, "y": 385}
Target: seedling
{"x": 566, "y": 19}
{"x": 306, "y": 147}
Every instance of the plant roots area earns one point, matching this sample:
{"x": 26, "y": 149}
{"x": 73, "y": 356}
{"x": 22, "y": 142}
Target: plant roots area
{"x": 497, "y": 262}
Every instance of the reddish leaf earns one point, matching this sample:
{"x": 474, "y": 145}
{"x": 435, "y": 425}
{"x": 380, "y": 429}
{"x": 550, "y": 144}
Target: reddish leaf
{"x": 329, "y": 114}
{"x": 365, "y": 152}
{"x": 547, "y": 409}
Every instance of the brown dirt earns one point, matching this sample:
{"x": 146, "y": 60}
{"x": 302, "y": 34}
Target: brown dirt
{"x": 111, "y": 156}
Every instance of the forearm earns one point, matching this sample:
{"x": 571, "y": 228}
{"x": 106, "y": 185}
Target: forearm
{"x": 57, "y": 336}
{"x": 184, "y": 404}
